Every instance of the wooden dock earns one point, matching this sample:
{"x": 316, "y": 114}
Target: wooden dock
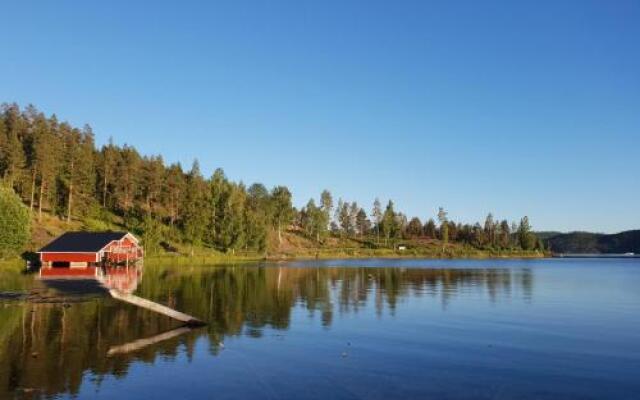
{"x": 188, "y": 320}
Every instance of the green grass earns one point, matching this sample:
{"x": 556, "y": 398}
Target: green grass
{"x": 198, "y": 259}
{"x": 409, "y": 253}
{"x": 13, "y": 264}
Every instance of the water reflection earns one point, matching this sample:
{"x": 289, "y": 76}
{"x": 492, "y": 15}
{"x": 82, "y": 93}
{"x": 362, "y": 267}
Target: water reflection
{"x": 46, "y": 347}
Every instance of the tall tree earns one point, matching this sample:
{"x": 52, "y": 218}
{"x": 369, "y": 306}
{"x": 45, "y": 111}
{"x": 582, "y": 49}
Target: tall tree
{"x": 362, "y": 222}
{"x": 218, "y": 196}
{"x": 108, "y": 163}
{"x": 344, "y": 218}
{"x": 525, "y": 236}
{"x": 353, "y": 218}
{"x": 45, "y": 148}
{"x": 430, "y": 229}
{"x": 172, "y": 191}
{"x": 233, "y": 218}
{"x": 489, "y": 229}
{"x": 127, "y": 184}
{"x": 444, "y": 226}
{"x": 376, "y": 216}
{"x": 389, "y": 223}
{"x": 195, "y": 207}
{"x": 415, "y": 227}
{"x": 152, "y": 182}
{"x": 479, "y": 236}
{"x": 313, "y": 220}
{"x": 282, "y": 209}
{"x": 326, "y": 206}
{"x": 257, "y": 216}
{"x": 78, "y": 176}
{"x": 505, "y": 234}
{"x": 12, "y": 154}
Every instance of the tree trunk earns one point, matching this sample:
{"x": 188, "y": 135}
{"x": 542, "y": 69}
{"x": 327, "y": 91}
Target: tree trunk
{"x": 40, "y": 200}
{"x": 69, "y": 203}
{"x": 104, "y": 189}
{"x": 279, "y": 233}
{"x": 33, "y": 190}
{"x": 70, "y": 192}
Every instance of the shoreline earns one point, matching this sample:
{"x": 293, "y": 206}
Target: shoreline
{"x": 213, "y": 259}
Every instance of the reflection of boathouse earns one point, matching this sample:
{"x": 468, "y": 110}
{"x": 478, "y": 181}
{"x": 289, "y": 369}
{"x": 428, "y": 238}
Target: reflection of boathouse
{"x": 90, "y": 249}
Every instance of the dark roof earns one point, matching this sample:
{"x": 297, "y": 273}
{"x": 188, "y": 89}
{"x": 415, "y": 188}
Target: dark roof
{"x": 82, "y": 242}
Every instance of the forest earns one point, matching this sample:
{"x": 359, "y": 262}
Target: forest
{"x": 56, "y": 169}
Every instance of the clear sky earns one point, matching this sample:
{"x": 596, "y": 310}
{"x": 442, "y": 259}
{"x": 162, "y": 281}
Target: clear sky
{"x": 478, "y": 106}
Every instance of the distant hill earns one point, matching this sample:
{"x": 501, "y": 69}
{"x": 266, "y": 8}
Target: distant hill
{"x": 586, "y": 242}
{"x": 544, "y": 235}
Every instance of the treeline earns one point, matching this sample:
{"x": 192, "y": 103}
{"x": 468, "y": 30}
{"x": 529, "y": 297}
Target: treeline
{"x": 389, "y": 226}
{"x": 57, "y": 168}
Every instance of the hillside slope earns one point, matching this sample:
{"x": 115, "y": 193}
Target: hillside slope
{"x": 294, "y": 244}
{"x": 585, "y": 242}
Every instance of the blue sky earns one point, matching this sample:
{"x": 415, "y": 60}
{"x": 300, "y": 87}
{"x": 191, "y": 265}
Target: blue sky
{"x": 530, "y": 108}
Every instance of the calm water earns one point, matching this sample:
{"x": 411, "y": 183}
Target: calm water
{"x": 375, "y": 329}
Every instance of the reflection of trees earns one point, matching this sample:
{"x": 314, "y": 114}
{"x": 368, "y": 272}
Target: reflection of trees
{"x": 48, "y": 347}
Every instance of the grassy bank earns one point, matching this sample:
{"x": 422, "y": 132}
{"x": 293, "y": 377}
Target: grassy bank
{"x": 208, "y": 257}
{"x": 12, "y": 264}
{"x": 414, "y": 253}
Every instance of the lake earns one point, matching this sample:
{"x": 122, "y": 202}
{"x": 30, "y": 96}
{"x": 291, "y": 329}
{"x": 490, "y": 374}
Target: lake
{"x": 340, "y": 329}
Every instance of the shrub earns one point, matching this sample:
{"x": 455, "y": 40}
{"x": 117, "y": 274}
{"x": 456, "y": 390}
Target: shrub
{"x": 15, "y": 223}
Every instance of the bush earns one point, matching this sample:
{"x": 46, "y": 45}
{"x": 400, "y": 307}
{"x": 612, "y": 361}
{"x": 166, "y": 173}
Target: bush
{"x": 15, "y": 223}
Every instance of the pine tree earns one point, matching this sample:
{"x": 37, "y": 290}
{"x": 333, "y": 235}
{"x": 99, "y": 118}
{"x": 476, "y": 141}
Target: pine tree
{"x": 505, "y": 234}
{"x": 152, "y": 182}
{"x": 107, "y": 167}
{"x": 35, "y": 126}
{"x": 525, "y": 236}
{"x": 195, "y": 207}
{"x": 13, "y": 159}
{"x": 414, "y": 228}
{"x": 128, "y": 173}
{"x": 3, "y": 146}
{"x": 45, "y": 146}
{"x": 173, "y": 191}
{"x": 50, "y": 164}
{"x": 479, "y": 236}
{"x": 362, "y": 222}
{"x": 430, "y": 229}
{"x": 218, "y": 196}
{"x": 71, "y": 154}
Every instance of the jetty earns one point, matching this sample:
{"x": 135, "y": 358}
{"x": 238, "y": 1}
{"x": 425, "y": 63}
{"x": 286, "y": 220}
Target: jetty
{"x": 188, "y": 320}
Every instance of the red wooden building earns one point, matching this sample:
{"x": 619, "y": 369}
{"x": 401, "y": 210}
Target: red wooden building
{"x": 89, "y": 249}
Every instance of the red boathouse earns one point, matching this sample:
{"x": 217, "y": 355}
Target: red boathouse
{"x": 88, "y": 249}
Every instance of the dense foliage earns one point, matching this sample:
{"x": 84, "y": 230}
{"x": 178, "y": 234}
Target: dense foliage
{"x": 14, "y": 223}
{"x": 55, "y": 167}
{"x": 585, "y": 242}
